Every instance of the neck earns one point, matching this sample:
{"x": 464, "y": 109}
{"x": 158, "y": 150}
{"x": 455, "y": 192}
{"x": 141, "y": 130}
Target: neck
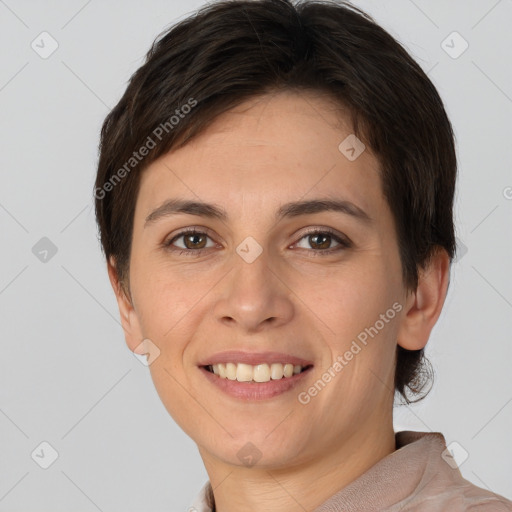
{"x": 288, "y": 488}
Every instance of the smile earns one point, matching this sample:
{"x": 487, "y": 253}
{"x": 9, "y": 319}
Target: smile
{"x": 252, "y": 390}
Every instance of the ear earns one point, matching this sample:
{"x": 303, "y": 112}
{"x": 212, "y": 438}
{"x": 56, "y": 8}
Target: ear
{"x": 129, "y": 319}
{"x": 423, "y": 306}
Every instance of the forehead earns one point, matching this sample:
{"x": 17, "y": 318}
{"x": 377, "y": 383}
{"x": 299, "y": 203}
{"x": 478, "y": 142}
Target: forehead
{"x": 271, "y": 149}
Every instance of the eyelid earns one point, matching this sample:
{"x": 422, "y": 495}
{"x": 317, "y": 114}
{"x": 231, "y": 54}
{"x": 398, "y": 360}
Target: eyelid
{"x": 343, "y": 241}
{"x": 188, "y": 231}
{"x": 324, "y": 229}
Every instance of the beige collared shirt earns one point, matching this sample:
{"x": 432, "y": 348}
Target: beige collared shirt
{"x": 419, "y": 476}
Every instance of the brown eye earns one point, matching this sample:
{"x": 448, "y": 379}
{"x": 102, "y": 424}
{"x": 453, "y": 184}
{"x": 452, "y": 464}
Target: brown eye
{"x": 319, "y": 242}
{"x": 194, "y": 242}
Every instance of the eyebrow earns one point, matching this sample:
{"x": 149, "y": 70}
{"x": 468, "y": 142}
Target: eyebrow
{"x": 288, "y": 210}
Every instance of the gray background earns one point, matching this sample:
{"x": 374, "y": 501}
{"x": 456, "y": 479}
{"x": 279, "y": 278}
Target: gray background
{"x": 66, "y": 375}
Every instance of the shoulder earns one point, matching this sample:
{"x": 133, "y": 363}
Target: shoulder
{"x": 442, "y": 486}
{"x": 477, "y": 499}
{"x": 491, "y": 505}
{"x": 462, "y": 496}
{"x": 480, "y": 500}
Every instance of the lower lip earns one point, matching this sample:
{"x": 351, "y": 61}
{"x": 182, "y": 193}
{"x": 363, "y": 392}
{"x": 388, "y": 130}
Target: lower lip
{"x": 255, "y": 390}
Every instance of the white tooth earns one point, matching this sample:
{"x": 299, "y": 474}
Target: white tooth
{"x": 261, "y": 373}
{"x": 276, "y": 371}
{"x": 243, "y": 372}
{"x": 258, "y": 373}
{"x": 288, "y": 370}
{"x": 231, "y": 371}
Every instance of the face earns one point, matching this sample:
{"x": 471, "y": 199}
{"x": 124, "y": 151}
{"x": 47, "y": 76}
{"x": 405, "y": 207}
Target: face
{"x": 315, "y": 284}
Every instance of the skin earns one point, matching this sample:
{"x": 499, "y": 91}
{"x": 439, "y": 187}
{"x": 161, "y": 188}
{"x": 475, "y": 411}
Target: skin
{"x": 251, "y": 160}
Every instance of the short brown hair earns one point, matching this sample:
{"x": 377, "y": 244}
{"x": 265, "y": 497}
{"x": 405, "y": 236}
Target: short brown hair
{"x": 233, "y": 50}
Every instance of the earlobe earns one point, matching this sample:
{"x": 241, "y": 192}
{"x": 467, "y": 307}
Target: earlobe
{"x": 425, "y": 304}
{"x": 129, "y": 319}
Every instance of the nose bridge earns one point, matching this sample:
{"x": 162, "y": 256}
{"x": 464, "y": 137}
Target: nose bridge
{"x": 253, "y": 294}
{"x": 252, "y": 280}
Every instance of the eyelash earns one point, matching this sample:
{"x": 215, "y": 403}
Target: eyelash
{"x": 343, "y": 243}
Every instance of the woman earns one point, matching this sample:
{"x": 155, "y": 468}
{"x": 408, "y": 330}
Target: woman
{"x": 274, "y": 196}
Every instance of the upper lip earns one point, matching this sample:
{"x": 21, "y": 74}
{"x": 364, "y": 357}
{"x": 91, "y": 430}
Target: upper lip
{"x": 253, "y": 358}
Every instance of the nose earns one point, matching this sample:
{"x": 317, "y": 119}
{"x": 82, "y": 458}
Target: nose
{"x": 253, "y": 296}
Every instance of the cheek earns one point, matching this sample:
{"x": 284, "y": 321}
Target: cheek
{"x": 351, "y": 298}
{"x": 166, "y": 299}
{"x": 360, "y": 310}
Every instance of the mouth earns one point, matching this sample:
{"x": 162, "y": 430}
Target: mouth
{"x": 255, "y": 383}
{"x": 251, "y": 376}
